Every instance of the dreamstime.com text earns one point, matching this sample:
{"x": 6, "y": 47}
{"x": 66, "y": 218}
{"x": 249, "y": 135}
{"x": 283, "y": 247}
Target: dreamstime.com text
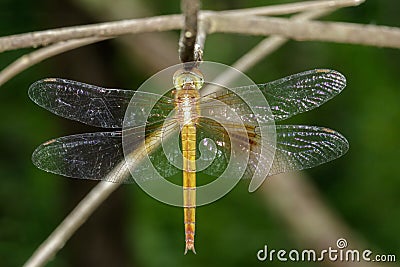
{"x": 340, "y": 253}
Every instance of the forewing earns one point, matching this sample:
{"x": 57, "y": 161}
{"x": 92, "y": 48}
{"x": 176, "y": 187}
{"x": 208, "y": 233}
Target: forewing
{"x": 286, "y": 97}
{"x": 301, "y": 92}
{"x": 93, "y": 105}
{"x": 219, "y": 102}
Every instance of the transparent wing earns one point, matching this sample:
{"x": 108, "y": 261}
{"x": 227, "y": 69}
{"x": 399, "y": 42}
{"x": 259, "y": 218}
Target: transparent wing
{"x": 298, "y": 147}
{"x": 301, "y": 147}
{"x": 86, "y": 156}
{"x": 287, "y": 96}
{"x": 219, "y": 125}
{"x": 93, "y": 105}
{"x": 219, "y": 102}
{"x": 302, "y": 92}
{"x": 93, "y": 155}
{"x": 250, "y": 144}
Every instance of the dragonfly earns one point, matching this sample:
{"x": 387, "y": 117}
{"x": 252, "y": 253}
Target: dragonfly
{"x": 94, "y": 155}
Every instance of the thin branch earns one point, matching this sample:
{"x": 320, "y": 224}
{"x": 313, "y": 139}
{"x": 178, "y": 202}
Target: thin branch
{"x": 161, "y": 23}
{"x": 338, "y": 32}
{"x": 102, "y": 30}
{"x": 317, "y": 31}
{"x": 272, "y": 43}
{"x": 26, "y": 61}
{"x": 291, "y": 8}
{"x": 289, "y": 28}
{"x": 190, "y": 10}
{"x": 37, "y": 56}
{"x": 265, "y": 47}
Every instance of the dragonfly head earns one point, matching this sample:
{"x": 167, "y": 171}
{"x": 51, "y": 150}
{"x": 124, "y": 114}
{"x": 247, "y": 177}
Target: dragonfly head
{"x": 188, "y": 79}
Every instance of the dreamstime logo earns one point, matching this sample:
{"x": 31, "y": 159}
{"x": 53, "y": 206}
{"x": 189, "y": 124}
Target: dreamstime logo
{"x": 140, "y": 150}
{"x": 341, "y": 243}
{"x": 340, "y": 253}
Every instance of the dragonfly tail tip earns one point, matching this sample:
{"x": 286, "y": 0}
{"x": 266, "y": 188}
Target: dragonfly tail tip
{"x": 189, "y": 246}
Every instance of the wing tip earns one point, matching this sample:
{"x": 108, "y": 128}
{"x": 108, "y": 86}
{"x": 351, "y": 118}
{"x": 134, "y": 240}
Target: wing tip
{"x": 345, "y": 145}
{"x": 336, "y": 76}
{"x": 35, "y": 88}
{"x": 39, "y": 159}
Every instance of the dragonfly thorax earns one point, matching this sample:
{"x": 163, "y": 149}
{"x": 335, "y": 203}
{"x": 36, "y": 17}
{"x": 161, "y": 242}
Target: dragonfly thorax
{"x": 187, "y": 82}
{"x": 186, "y": 102}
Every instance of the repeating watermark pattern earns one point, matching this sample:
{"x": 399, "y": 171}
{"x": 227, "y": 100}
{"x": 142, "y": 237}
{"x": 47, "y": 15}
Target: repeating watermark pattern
{"x": 339, "y": 253}
{"x": 246, "y": 96}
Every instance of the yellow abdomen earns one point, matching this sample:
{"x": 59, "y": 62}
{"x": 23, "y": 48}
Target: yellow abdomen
{"x": 189, "y": 183}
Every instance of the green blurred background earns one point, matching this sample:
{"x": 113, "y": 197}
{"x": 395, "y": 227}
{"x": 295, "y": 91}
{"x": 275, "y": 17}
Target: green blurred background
{"x": 132, "y": 229}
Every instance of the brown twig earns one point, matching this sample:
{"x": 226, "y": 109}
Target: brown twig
{"x": 108, "y": 29}
{"x": 292, "y": 8}
{"x": 270, "y": 44}
{"x": 37, "y": 56}
{"x": 161, "y": 23}
{"x": 265, "y": 47}
{"x": 190, "y": 10}
{"x": 337, "y": 32}
{"x": 315, "y": 9}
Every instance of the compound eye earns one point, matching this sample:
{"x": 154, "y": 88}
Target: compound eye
{"x": 178, "y": 82}
{"x": 197, "y": 77}
{"x": 198, "y": 81}
{"x": 182, "y": 77}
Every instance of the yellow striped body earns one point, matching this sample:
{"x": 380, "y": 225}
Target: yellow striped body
{"x": 187, "y": 84}
{"x": 189, "y": 183}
